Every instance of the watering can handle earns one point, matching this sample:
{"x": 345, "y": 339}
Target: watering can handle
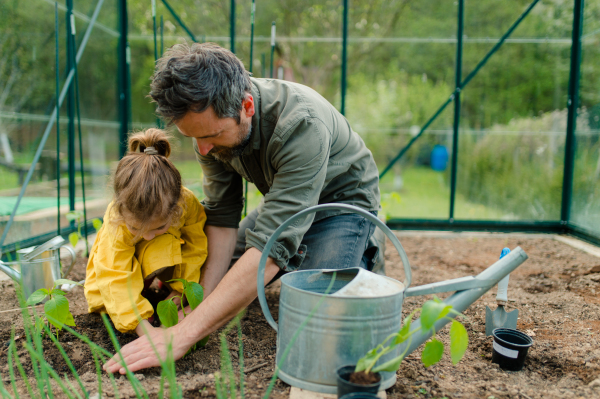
{"x": 73, "y": 256}
{"x": 260, "y": 285}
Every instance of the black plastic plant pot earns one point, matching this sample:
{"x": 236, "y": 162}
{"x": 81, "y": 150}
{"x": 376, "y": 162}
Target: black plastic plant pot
{"x": 360, "y": 395}
{"x": 345, "y": 387}
{"x": 510, "y": 348}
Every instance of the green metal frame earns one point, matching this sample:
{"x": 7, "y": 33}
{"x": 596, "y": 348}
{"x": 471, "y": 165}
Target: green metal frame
{"x": 562, "y": 226}
{"x": 76, "y": 57}
{"x": 123, "y": 78}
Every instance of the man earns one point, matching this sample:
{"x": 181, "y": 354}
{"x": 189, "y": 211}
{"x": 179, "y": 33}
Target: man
{"x": 298, "y": 151}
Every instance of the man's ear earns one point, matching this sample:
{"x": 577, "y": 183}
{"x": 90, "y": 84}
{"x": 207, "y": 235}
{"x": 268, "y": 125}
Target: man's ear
{"x": 248, "y": 105}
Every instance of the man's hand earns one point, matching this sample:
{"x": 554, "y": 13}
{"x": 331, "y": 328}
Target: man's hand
{"x": 236, "y": 291}
{"x": 140, "y": 354}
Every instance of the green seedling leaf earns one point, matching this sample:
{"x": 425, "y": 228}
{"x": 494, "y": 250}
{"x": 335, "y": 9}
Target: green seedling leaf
{"x": 39, "y": 324}
{"x": 73, "y": 238}
{"x": 366, "y": 361}
{"x": 62, "y": 281}
{"x": 73, "y": 216}
{"x": 403, "y": 334}
{"x": 181, "y": 280}
{"x": 432, "y": 353}
{"x": 70, "y": 321}
{"x": 37, "y": 297}
{"x": 57, "y": 310}
{"x": 194, "y": 294}
{"x": 459, "y": 340}
{"x": 97, "y": 223}
{"x": 56, "y": 291}
{"x": 390, "y": 365}
{"x": 167, "y": 311}
{"x": 203, "y": 341}
{"x": 433, "y": 311}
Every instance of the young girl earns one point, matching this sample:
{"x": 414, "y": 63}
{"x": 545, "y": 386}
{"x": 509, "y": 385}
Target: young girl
{"x": 154, "y": 227}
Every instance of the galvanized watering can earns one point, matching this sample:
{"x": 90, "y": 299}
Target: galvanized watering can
{"x": 40, "y": 266}
{"x": 337, "y": 329}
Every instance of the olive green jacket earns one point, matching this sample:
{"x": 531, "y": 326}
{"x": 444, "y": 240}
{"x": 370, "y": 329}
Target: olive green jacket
{"x": 302, "y": 153}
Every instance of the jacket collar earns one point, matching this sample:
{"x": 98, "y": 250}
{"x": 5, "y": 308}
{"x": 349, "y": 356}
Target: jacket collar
{"x": 255, "y": 135}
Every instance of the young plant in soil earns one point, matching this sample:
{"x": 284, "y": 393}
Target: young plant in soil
{"x": 167, "y": 309}
{"x": 56, "y": 309}
{"x": 431, "y": 312}
{"x": 77, "y": 217}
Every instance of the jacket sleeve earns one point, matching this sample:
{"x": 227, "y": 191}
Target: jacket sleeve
{"x": 120, "y": 281}
{"x": 194, "y": 248}
{"x": 224, "y": 193}
{"x": 300, "y": 158}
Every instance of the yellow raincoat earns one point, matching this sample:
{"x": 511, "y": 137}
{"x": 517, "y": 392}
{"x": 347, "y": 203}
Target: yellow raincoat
{"x": 117, "y": 266}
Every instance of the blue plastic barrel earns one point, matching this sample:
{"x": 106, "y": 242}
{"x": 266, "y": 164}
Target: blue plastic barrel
{"x": 439, "y": 158}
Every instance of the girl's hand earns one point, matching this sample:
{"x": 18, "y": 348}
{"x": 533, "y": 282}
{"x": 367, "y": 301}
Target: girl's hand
{"x": 143, "y": 328}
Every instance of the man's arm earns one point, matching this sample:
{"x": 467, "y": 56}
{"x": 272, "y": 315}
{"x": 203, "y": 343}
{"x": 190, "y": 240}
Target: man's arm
{"x": 221, "y": 244}
{"x": 235, "y": 292}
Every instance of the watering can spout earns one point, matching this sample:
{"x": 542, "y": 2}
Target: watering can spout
{"x": 10, "y": 272}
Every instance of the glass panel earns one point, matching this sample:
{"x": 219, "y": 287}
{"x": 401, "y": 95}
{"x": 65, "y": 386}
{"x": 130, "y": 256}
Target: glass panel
{"x": 27, "y": 100}
{"x": 395, "y": 84}
{"x": 585, "y": 208}
{"x": 513, "y": 113}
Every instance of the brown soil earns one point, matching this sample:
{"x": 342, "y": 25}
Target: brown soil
{"x": 556, "y": 292}
{"x": 362, "y": 378}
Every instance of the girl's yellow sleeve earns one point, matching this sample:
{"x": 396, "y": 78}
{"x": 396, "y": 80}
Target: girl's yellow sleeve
{"x": 194, "y": 248}
{"x": 114, "y": 280}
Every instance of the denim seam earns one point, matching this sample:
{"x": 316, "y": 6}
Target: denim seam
{"x": 358, "y": 234}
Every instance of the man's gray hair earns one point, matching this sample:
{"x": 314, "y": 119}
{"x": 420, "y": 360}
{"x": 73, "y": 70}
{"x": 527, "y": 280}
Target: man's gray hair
{"x": 192, "y": 78}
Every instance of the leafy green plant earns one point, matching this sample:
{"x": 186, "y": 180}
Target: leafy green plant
{"x": 56, "y": 309}
{"x": 77, "y": 217}
{"x": 167, "y": 309}
{"x": 431, "y": 312}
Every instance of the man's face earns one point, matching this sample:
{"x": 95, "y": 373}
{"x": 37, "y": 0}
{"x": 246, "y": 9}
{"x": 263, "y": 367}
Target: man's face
{"x": 222, "y": 138}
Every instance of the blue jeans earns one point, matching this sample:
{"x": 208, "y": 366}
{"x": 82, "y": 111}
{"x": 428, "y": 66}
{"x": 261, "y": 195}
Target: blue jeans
{"x": 336, "y": 242}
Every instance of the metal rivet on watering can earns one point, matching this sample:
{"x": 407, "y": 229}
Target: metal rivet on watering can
{"x": 319, "y": 333}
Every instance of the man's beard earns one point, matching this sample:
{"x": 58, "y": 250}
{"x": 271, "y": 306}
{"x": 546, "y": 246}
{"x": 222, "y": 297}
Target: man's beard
{"x": 225, "y": 153}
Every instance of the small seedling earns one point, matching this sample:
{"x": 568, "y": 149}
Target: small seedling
{"x": 56, "y": 309}
{"x": 77, "y": 217}
{"x": 431, "y": 312}
{"x": 167, "y": 309}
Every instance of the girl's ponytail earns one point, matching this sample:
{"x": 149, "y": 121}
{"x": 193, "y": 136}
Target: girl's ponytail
{"x": 155, "y": 138}
{"x": 146, "y": 184}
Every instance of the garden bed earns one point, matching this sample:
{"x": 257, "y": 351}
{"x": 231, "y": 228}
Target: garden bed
{"x": 557, "y": 292}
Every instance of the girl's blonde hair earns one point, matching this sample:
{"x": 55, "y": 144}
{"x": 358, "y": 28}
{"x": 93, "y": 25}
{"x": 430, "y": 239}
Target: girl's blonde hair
{"x": 146, "y": 183}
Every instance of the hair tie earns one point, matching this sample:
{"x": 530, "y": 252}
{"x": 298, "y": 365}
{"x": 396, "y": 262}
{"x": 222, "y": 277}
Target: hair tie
{"x": 150, "y": 151}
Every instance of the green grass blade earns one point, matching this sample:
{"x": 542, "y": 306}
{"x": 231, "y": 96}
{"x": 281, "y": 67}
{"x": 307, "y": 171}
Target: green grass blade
{"x": 98, "y": 371}
{"x": 3, "y": 391}
{"x": 296, "y": 333}
{"x": 13, "y": 348}
{"x": 162, "y": 385}
{"x": 11, "y": 373}
{"x": 52, "y": 373}
{"x": 219, "y": 387}
{"x": 67, "y": 360}
{"x": 73, "y": 387}
{"x": 112, "y": 377}
{"x": 30, "y": 333}
{"x": 135, "y": 384}
{"x": 241, "y": 358}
